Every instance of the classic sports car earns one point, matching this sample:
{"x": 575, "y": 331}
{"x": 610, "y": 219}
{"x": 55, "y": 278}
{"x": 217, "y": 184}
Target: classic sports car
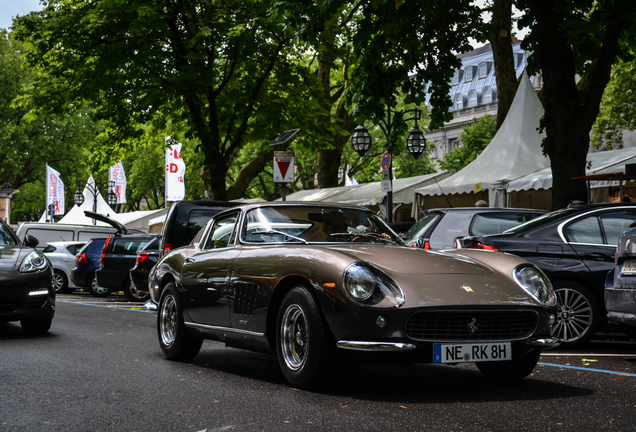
{"x": 310, "y": 282}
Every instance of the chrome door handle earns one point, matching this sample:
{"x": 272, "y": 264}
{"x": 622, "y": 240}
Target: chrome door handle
{"x": 189, "y": 260}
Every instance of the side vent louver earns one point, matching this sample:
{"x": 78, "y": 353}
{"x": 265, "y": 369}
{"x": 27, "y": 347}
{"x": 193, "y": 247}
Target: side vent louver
{"x": 245, "y": 298}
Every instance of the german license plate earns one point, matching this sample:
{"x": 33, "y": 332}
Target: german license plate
{"x": 629, "y": 267}
{"x": 462, "y": 353}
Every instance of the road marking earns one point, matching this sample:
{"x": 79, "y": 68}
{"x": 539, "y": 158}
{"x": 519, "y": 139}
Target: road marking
{"x": 588, "y": 369}
{"x": 134, "y": 308}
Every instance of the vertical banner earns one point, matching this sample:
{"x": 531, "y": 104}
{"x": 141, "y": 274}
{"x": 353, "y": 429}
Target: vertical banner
{"x": 54, "y": 193}
{"x": 116, "y": 173}
{"x": 175, "y": 173}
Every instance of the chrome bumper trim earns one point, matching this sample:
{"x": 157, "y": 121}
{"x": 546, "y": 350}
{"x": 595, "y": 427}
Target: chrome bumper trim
{"x": 375, "y": 346}
{"x": 549, "y": 342}
{"x": 151, "y": 305}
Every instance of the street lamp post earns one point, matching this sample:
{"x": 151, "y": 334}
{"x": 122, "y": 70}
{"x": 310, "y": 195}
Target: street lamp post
{"x": 94, "y": 189}
{"x": 415, "y": 144}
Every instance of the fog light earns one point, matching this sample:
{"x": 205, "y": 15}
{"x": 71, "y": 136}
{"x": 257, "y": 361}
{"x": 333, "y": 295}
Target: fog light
{"x": 551, "y": 319}
{"x": 381, "y": 321}
{"x": 39, "y": 292}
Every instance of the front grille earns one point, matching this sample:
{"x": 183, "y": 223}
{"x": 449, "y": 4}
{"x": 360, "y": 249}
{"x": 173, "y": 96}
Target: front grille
{"x": 453, "y": 325}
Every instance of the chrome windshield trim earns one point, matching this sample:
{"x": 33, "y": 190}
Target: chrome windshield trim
{"x": 225, "y": 329}
{"x": 375, "y": 346}
{"x": 548, "y": 342}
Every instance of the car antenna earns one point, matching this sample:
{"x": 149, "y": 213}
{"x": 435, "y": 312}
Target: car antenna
{"x": 442, "y": 190}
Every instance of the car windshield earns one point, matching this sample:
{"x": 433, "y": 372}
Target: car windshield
{"x": 309, "y": 224}
{"x": 422, "y": 227}
{"x": 6, "y": 238}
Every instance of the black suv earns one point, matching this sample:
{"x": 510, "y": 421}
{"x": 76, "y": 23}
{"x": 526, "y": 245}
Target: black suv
{"x": 185, "y": 219}
{"x": 146, "y": 260}
{"x": 575, "y": 247}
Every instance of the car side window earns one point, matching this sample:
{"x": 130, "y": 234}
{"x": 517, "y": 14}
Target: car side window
{"x": 614, "y": 223}
{"x": 494, "y": 223}
{"x": 586, "y": 230}
{"x": 222, "y": 233}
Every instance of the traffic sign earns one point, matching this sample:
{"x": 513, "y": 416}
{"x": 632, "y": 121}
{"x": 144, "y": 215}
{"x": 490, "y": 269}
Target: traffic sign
{"x": 386, "y": 160}
{"x": 283, "y": 167}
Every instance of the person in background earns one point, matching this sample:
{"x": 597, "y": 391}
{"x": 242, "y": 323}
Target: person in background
{"x": 481, "y": 203}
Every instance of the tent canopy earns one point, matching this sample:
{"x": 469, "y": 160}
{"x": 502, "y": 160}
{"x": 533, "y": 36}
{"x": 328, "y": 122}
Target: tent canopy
{"x": 514, "y": 151}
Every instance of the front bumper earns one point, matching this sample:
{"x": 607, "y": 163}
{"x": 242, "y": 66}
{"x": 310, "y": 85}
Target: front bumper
{"x": 27, "y": 295}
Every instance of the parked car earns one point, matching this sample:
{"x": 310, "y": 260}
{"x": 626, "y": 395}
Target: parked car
{"x": 86, "y": 263}
{"x": 620, "y": 285}
{"x": 312, "y": 281}
{"x": 439, "y": 228}
{"x": 26, "y": 291}
{"x": 47, "y": 232}
{"x": 118, "y": 257}
{"x": 185, "y": 219}
{"x": 146, "y": 260}
{"x": 575, "y": 247}
{"x": 62, "y": 256}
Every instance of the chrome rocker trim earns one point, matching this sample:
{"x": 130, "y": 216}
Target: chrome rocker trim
{"x": 223, "y": 329}
{"x": 548, "y": 342}
{"x": 375, "y": 346}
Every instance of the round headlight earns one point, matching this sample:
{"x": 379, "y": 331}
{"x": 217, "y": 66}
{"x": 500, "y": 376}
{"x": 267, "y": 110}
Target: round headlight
{"x": 535, "y": 283}
{"x": 33, "y": 262}
{"x": 359, "y": 282}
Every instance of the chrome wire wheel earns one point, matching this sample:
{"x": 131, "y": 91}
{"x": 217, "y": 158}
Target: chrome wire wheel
{"x": 575, "y": 315}
{"x": 168, "y": 320}
{"x": 293, "y": 339}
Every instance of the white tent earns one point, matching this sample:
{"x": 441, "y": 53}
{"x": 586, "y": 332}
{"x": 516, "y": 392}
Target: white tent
{"x": 514, "y": 151}
{"x": 76, "y": 214}
{"x": 370, "y": 194}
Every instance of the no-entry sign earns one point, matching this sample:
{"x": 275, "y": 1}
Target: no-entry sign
{"x": 283, "y": 167}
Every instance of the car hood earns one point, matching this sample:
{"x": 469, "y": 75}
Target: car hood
{"x": 12, "y": 255}
{"x": 447, "y": 279}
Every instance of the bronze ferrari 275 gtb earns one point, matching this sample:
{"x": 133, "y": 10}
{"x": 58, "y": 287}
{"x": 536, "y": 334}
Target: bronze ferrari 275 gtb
{"x": 315, "y": 282}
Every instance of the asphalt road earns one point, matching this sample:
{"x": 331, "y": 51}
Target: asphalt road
{"x": 101, "y": 369}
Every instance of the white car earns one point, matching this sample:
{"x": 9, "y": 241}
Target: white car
{"x": 62, "y": 257}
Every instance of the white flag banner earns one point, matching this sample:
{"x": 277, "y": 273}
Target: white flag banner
{"x": 175, "y": 173}
{"x": 54, "y": 191}
{"x": 116, "y": 173}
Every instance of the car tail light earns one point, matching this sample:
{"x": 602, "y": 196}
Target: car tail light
{"x": 483, "y": 246}
{"x": 103, "y": 257}
{"x": 141, "y": 257}
{"x": 81, "y": 259}
{"x": 167, "y": 248}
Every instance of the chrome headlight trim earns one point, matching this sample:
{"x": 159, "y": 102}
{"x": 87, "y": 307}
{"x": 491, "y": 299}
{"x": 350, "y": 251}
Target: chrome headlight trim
{"x": 370, "y": 286}
{"x": 536, "y": 283}
{"x": 33, "y": 262}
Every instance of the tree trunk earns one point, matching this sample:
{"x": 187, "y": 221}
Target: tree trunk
{"x": 501, "y": 42}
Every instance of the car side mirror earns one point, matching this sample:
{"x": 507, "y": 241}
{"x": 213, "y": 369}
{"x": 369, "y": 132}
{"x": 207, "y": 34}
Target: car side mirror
{"x": 31, "y": 241}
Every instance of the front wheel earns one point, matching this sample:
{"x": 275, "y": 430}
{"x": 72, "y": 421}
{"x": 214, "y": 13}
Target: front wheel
{"x": 133, "y": 293}
{"x": 176, "y": 342}
{"x": 36, "y": 326}
{"x": 578, "y": 314}
{"x": 510, "y": 370}
{"x": 302, "y": 340}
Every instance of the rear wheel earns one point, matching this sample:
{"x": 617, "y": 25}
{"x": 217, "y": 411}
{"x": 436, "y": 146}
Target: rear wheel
{"x": 133, "y": 293}
{"x": 60, "y": 282}
{"x": 176, "y": 342}
{"x": 302, "y": 339}
{"x": 95, "y": 289}
{"x": 578, "y": 314}
{"x": 510, "y": 370}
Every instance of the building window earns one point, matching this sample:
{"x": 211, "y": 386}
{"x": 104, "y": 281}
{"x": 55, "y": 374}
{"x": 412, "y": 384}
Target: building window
{"x": 472, "y": 99}
{"x": 459, "y": 102}
{"x": 469, "y": 73}
{"x": 483, "y": 70}
{"x": 456, "y": 77}
{"x": 452, "y": 144}
{"x": 487, "y": 95}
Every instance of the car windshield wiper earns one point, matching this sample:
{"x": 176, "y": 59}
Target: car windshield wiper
{"x": 271, "y": 232}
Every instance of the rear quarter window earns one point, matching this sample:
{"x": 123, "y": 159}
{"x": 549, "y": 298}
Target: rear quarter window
{"x": 128, "y": 246}
{"x": 495, "y": 223}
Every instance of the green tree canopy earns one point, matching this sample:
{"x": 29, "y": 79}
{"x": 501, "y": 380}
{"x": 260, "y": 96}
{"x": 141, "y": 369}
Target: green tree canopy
{"x": 474, "y": 138}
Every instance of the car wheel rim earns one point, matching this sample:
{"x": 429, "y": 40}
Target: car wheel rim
{"x": 137, "y": 293}
{"x": 294, "y": 338}
{"x": 574, "y": 315}
{"x": 58, "y": 282}
{"x": 168, "y": 320}
{"x": 96, "y": 288}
